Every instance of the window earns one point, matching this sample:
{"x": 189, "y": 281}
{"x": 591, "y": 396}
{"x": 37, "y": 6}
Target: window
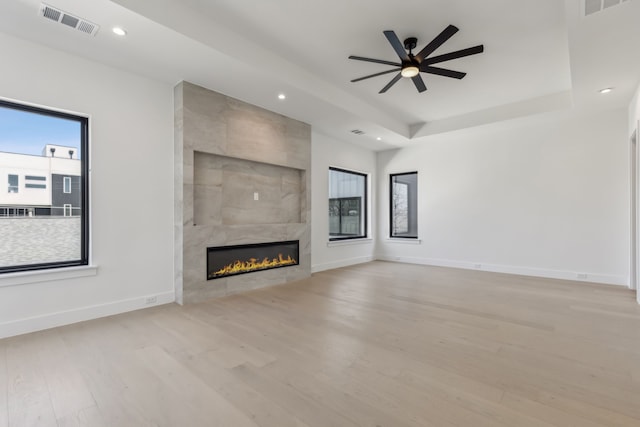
{"x": 404, "y": 205}
{"x": 60, "y": 238}
{"x": 347, "y": 204}
{"x": 32, "y": 181}
{"x": 13, "y": 183}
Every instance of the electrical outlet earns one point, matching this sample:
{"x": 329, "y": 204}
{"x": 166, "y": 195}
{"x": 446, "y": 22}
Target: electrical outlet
{"x": 256, "y": 196}
{"x": 151, "y": 300}
{"x": 582, "y": 276}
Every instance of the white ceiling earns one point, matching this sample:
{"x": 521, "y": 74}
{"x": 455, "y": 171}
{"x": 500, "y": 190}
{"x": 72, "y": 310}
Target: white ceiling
{"x": 540, "y": 56}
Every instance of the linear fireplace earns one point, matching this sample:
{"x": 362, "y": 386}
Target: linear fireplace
{"x": 224, "y": 261}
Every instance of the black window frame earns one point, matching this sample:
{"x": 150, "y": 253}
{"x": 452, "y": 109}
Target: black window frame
{"x": 364, "y": 208}
{"x": 410, "y": 205}
{"x": 84, "y": 190}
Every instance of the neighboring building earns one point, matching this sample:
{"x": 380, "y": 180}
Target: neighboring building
{"x": 40, "y": 185}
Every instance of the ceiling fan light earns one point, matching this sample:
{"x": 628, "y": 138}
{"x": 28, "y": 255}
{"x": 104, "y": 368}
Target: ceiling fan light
{"x": 410, "y": 71}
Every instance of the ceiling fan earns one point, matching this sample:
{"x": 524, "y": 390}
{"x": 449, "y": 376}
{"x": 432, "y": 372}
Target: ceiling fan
{"x": 412, "y": 65}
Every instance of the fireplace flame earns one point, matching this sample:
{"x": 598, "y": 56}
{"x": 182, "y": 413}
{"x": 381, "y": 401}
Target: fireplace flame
{"x": 253, "y": 264}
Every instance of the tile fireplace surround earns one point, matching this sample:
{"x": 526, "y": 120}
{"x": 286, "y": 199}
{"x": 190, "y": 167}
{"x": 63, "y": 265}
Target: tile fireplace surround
{"x": 228, "y": 154}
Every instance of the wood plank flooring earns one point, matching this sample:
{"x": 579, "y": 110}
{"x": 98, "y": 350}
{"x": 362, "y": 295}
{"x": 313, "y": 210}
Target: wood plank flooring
{"x": 378, "y": 344}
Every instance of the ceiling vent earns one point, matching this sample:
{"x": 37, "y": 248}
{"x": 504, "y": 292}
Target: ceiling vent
{"x": 595, "y": 6}
{"x": 357, "y": 132}
{"x": 69, "y": 20}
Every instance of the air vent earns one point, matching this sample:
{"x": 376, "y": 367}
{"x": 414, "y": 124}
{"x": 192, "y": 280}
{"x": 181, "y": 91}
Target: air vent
{"x": 69, "y": 20}
{"x": 357, "y": 132}
{"x": 595, "y": 6}
{"x": 50, "y": 13}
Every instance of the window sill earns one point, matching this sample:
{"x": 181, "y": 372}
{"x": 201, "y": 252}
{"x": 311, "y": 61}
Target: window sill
{"x": 347, "y": 242}
{"x": 408, "y": 241}
{"x": 26, "y": 277}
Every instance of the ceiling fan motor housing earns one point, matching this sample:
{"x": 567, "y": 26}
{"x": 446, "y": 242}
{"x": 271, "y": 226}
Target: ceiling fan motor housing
{"x": 412, "y": 63}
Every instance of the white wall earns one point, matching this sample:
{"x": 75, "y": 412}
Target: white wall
{"x": 633, "y": 121}
{"x": 131, "y": 121}
{"x": 326, "y": 152}
{"x": 548, "y": 200}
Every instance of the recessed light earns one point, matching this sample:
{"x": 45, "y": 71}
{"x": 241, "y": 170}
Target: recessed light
{"x": 119, "y": 31}
{"x": 606, "y": 90}
{"x": 378, "y": 139}
{"x": 282, "y": 96}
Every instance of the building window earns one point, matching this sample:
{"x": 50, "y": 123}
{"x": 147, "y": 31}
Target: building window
{"x": 32, "y": 181}
{"x": 404, "y": 205}
{"x": 13, "y": 183}
{"x": 61, "y": 237}
{"x": 347, "y": 204}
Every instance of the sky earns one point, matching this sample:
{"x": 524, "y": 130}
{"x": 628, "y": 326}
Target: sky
{"x": 25, "y": 132}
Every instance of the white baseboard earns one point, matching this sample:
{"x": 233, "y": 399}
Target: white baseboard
{"x": 61, "y": 318}
{"x": 342, "y": 263}
{"x": 52, "y": 320}
{"x": 523, "y": 271}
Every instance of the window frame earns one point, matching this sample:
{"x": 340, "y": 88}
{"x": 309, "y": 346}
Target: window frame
{"x": 83, "y": 121}
{"x": 409, "y": 210}
{"x": 364, "y": 207}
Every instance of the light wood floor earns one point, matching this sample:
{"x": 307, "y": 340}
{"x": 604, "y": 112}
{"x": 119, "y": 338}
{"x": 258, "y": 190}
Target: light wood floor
{"x": 379, "y": 344}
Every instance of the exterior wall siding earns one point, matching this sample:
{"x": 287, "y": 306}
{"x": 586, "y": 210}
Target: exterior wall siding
{"x": 59, "y": 198}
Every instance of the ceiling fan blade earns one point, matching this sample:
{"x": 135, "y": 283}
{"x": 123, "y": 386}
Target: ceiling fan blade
{"x": 396, "y": 45}
{"x": 417, "y": 80}
{"x": 377, "y": 61}
{"x": 391, "y": 83}
{"x": 445, "y": 35}
{"x": 375, "y": 75}
{"x": 454, "y": 55}
{"x": 442, "y": 72}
